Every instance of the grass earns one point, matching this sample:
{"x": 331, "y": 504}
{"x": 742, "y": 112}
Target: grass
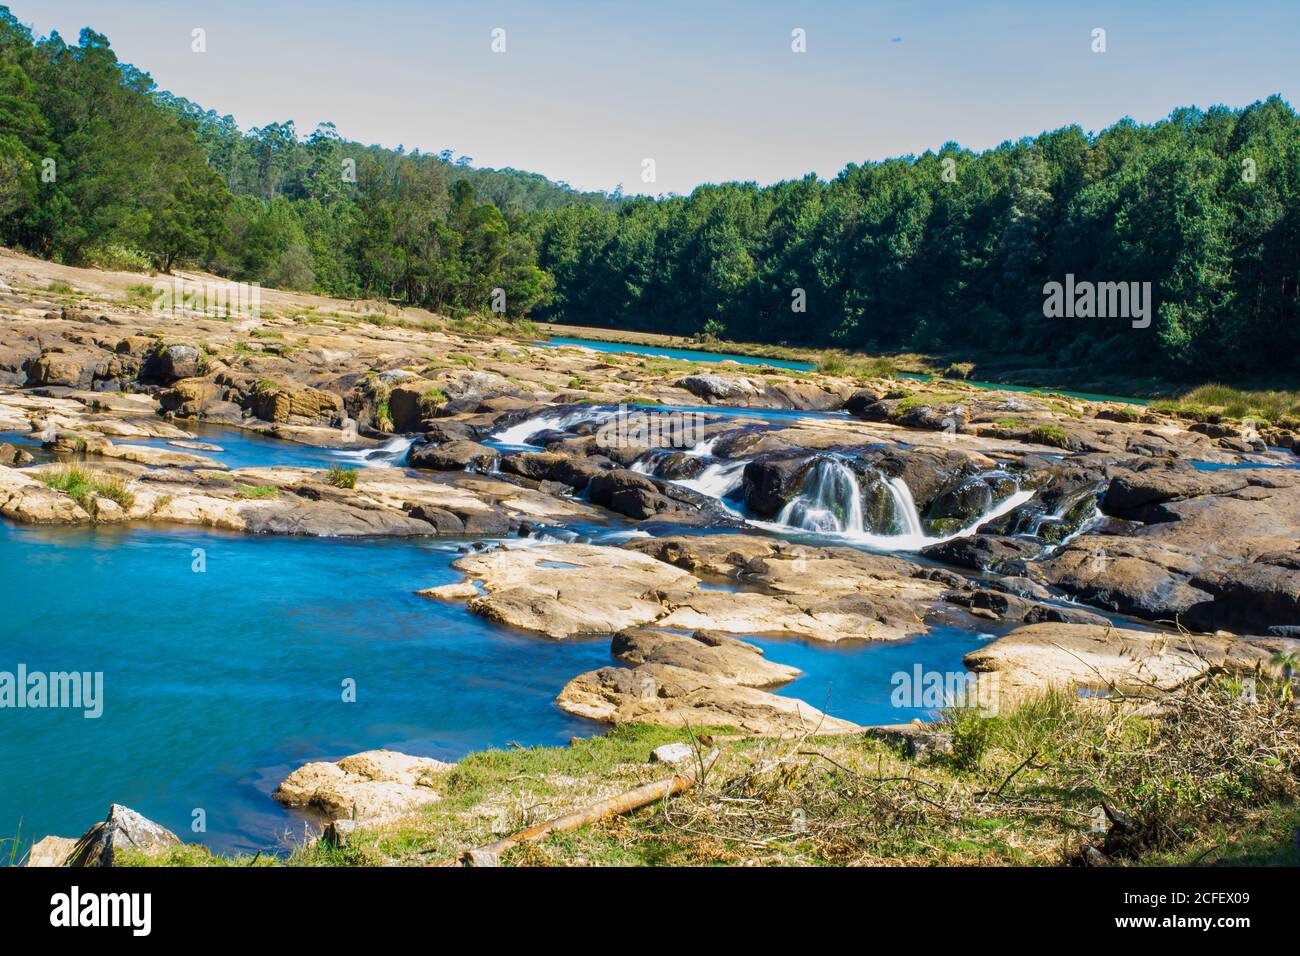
{"x": 341, "y": 477}
{"x": 141, "y": 296}
{"x": 856, "y": 366}
{"x": 86, "y": 487}
{"x": 384, "y": 416}
{"x": 257, "y": 491}
{"x": 1053, "y": 435}
{"x": 1223, "y": 401}
{"x": 1211, "y": 781}
{"x": 432, "y": 400}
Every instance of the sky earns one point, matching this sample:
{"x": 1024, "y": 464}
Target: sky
{"x": 710, "y": 90}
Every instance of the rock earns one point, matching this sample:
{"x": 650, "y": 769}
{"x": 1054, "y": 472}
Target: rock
{"x": 11, "y": 455}
{"x": 860, "y": 401}
{"x": 172, "y": 363}
{"x": 571, "y": 589}
{"x": 453, "y": 456}
{"x": 365, "y": 787}
{"x": 51, "y": 851}
{"x": 724, "y": 659}
{"x": 481, "y": 858}
{"x": 339, "y": 832}
{"x": 412, "y": 402}
{"x": 26, "y": 500}
{"x": 1071, "y": 656}
{"x": 122, "y": 829}
{"x": 605, "y": 485}
{"x": 982, "y": 552}
{"x": 672, "y": 753}
{"x": 669, "y": 696}
{"x": 274, "y": 402}
{"x": 191, "y": 398}
{"x": 716, "y": 388}
{"x": 443, "y": 521}
{"x": 921, "y": 742}
{"x": 461, "y": 591}
{"x": 1248, "y": 597}
{"x": 769, "y": 483}
{"x": 1129, "y": 575}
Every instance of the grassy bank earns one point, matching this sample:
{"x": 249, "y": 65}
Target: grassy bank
{"x": 1213, "y": 781}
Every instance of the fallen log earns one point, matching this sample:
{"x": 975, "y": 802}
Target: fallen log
{"x": 626, "y": 802}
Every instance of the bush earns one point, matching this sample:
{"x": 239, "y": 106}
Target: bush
{"x": 341, "y": 477}
{"x": 120, "y": 258}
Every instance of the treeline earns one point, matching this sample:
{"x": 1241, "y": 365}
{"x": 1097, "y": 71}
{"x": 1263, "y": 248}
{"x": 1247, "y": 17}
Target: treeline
{"x": 98, "y": 166}
{"x": 948, "y": 252}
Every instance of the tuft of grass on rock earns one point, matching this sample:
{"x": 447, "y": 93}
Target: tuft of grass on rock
{"x": 341, "y": 477}
{"x": 84, "y": 487}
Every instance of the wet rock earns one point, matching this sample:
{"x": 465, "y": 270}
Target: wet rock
{"x": 443, "y": 521}
{"x": 1129, "y": 575}
{"x": 983, "y": 552}
{"x": 453, "y": 456}
{"x": 769, "y": 483}
{"x": 605, "y": 485}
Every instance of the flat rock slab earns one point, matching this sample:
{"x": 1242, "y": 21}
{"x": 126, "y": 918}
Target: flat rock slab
{"x": 1076, "y": 656}
{"x": 571, "y": 589}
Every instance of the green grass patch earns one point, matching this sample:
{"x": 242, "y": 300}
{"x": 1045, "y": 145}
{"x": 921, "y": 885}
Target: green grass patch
{"x": 85, "y": 487}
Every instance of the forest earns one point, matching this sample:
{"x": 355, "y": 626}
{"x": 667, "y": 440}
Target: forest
{"x": 948, "y": 252}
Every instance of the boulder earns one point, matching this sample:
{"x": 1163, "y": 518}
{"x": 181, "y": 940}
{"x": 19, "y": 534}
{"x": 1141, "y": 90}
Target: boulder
{"x": 983, "y": 552}
{"x": 717, "y": 388}
{"x": 769, "y": 483}
{"x": 453, "y": 456}
{"x": 122, "y": 829}
{"x": 365, "y": 787}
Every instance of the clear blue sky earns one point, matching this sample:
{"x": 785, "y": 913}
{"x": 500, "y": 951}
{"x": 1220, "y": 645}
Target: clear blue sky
{"x": 710, "y": 90}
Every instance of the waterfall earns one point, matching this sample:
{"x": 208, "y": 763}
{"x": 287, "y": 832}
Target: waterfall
{"x": 905, "y": 512}
{"x": 516, "y": 435}
{"x": 391, "y": 454}
{"x": 830, "y": 501}
{"x": 718, "y": 480}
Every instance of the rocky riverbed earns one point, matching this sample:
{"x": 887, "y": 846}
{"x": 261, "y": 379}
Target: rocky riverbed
{"x": 1105, "y": 545}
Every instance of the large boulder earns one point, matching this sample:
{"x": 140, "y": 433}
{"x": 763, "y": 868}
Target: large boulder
{"x": 769, "y": 483}
{"x": 122, "y": 829}
{"x": 714, "y": 388}
{"x": 274, "y": 402}
{"x": 171, "y": 363}
{"x": 983, "y": 552}
{"x": 1252, "y": 597}
{"x": 453, "y": 456}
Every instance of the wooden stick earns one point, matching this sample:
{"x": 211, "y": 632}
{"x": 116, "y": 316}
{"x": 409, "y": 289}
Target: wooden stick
{"x": 621, "y": 803}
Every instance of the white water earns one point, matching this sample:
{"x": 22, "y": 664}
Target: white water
{"x": 717, "y": 480}
{"x": 905, "y": 507}
{"x": 830, "y": 502}
{"x": 515, "y": 435}
{"x": 391, "y": 454}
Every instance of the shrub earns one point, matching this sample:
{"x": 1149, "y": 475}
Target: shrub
{"x": 341, "y": 477}
{"x": 384, "y": 417}
{"x": 1050, "y": 435}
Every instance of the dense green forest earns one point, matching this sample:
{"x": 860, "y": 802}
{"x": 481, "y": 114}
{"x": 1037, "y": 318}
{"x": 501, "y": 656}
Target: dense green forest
{"x": 945, "y": 252}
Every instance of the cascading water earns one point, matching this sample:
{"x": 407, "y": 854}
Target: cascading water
{"x": 517, "y": 435}
{"x": 830, "y": 502}
{"x": 905, "y": 512}
{"x": 391, "y": 454}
